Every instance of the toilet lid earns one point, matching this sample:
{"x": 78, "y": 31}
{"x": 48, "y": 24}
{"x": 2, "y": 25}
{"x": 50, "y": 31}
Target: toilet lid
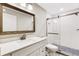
{"x": 52, "y": 47}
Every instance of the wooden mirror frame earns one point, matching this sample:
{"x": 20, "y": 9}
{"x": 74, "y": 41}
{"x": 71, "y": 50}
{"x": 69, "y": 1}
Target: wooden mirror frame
{"x": 18, "y": 9}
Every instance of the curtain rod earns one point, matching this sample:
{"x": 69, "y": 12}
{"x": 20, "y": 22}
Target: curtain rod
{"x": 76, "y": 13}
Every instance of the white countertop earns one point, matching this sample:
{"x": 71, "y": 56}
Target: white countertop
{"x": 9, "y": 47}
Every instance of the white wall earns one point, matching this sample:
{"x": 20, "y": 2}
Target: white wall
{"x": 40, "y": 22}
{"x": 52, "y": 38}
{"x": 40, "y": 19}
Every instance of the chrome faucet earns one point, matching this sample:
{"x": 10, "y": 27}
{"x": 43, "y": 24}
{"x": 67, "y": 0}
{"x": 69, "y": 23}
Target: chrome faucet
{"x": 23, "y": 37}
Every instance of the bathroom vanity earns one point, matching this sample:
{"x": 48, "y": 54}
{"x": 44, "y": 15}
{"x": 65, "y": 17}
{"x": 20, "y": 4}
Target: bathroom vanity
{"x": 34, "y": 46}
{"x": 14, "y": 20}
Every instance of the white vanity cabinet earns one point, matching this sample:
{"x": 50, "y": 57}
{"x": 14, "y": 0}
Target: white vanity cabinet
{"x": 35, "y": 47}
{"x": 41, "y": 50}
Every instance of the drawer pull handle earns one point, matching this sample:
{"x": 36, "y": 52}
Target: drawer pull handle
{"x": 42, "y": 51}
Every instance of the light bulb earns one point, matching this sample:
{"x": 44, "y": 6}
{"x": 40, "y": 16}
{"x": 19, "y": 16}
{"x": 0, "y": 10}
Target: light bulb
{"x": 29, "y": 7}
{"x": 61, "y": 9}
{"x": 23, "y": 4}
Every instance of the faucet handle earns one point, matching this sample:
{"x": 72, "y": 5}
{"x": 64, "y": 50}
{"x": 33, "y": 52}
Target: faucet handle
{"x": 23, "y": 37}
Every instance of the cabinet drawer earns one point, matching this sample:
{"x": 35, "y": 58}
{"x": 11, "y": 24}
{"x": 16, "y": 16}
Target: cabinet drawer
{"x": 42, "y": 51}
{"x": 35, "y": 53}
{"x": 43, "y": 43}
{"x": 27, "y": 50}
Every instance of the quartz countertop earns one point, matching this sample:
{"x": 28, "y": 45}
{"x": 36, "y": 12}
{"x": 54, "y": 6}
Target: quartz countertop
{"x": 9, "y": 47}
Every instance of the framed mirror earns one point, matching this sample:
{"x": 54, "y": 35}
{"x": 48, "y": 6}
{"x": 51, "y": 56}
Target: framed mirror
{"x": 15, "y": 20}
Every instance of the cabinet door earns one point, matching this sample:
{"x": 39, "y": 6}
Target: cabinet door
{"x": 43, "y": 43}
{"x": 42, "y": 47}
{"x": 35, "y": 53}
{"x": 42, "y": 51}
{"x": 27, "y": 50}
{"x": 36, "y": 49}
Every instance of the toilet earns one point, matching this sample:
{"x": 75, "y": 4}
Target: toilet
{"x": 51, "y": 50}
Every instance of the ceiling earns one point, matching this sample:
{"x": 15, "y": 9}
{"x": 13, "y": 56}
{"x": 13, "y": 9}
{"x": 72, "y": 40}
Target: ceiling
{"x": 56, "y": 8}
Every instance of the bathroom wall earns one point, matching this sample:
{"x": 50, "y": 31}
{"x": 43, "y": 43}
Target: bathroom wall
{"x": 40, "y": 23}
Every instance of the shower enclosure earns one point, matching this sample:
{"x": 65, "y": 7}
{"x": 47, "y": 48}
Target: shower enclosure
{"x": 63, "y": 32}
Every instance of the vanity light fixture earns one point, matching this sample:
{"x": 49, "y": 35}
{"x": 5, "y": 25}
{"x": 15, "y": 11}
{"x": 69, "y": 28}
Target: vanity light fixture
{"x": 23, "y": 4}
{"x": 29, "y": 6}
{"x": 61, "y": 9}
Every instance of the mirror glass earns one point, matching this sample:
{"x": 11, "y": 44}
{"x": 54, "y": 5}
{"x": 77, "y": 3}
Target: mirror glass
{"x": 14, "y": 20}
